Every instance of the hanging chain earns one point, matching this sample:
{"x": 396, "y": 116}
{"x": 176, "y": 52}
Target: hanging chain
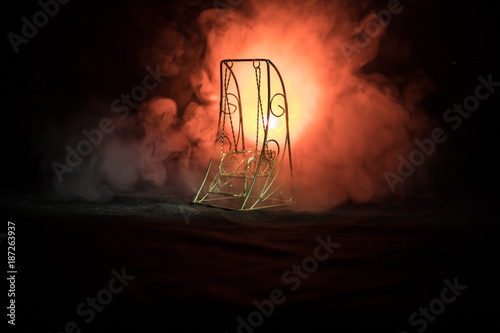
{"x": 227, "y": 79}
{"x": 232, "y": 127}
{"x": 259, "y": 104}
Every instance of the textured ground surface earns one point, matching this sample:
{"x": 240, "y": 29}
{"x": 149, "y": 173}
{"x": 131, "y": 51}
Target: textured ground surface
{"x": 198, "y": 269}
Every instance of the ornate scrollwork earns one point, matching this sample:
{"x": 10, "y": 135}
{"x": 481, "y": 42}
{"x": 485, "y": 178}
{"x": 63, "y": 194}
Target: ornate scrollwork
{"x": 282, "y": 108}
{"x": 250, "y": 178}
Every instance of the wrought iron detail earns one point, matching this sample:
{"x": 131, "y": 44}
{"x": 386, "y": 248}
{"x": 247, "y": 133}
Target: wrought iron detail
{"x": 242, "y": 174}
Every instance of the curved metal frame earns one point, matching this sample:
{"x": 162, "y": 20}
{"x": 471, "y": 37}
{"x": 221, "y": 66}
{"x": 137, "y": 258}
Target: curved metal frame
{"x": 242, "y": 178}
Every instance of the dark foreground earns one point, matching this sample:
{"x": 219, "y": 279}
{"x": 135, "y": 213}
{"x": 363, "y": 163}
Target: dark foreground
{"x": 167, "y": 266}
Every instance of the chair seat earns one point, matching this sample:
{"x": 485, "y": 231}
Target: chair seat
{"x": 244, "y": 163}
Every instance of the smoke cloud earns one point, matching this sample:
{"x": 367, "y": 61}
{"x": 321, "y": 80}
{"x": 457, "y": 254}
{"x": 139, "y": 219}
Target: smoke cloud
{"x": 347, "y": 126}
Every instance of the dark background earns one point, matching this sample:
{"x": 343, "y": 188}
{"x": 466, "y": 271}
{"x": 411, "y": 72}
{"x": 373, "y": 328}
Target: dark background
{"x": 93, "y": 49}
{"x": 201, "y": 276}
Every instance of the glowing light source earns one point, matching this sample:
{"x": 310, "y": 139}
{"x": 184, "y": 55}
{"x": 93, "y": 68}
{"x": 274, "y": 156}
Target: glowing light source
{"x": 273, "y": 122}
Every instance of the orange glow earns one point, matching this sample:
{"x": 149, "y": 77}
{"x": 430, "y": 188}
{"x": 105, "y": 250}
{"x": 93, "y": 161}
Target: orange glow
{"x": 346, "y": 128}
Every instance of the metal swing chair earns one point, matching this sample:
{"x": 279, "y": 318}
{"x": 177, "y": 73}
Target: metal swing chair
{"x": 241, "y": 176}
